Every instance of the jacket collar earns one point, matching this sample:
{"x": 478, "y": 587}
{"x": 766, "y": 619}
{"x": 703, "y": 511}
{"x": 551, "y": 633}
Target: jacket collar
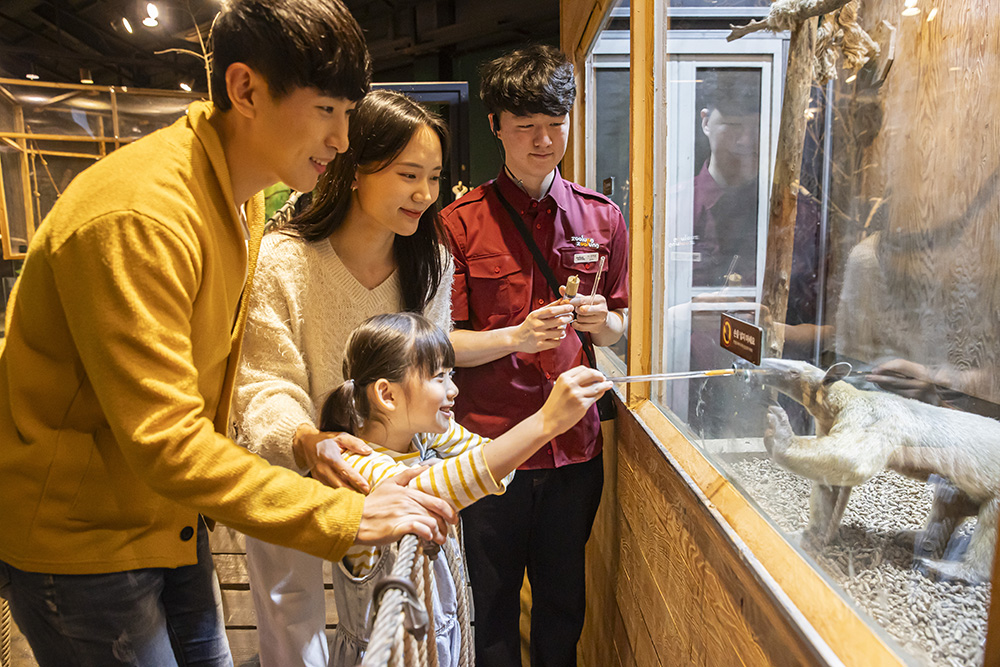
{"x": 559, "y": 191}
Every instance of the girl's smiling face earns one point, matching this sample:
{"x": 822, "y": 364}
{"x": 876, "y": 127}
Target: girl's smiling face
{"x": 429, "y": 402}
{"x": 396, "y": 196}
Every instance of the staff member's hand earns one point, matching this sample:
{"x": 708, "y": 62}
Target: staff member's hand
{"x": 542, "y": 329}
{"x": 319, "y": 451}
{"x": 393, "y": 510}
{"x": 591, "y": 313}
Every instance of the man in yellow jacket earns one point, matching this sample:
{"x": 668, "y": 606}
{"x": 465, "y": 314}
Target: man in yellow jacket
{"x": 122, "y": 338}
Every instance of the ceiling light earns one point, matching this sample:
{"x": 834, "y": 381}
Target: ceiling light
{"x": 152, "y": 11}
{"x": 32, "y": 76}
{"x": 932, "y": 14}
{"x": 911, "y": 11}
{"x": 185, "y": 87}
{"x": 85, "y": 76}
{"x": 128, "y": 26}
{"x": 150, "y": 22}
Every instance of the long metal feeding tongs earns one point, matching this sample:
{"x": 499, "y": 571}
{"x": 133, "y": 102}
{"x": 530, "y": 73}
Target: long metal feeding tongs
{"x": 666, "y": 377}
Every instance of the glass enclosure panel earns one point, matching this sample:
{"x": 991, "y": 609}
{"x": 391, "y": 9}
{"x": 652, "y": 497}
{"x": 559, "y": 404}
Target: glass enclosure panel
{"x": 868, "y": 434}
{"x": 141, "y": 113}
{"x": 12, "y": 177}
{"x": 607, "y": 114}
{"x": 49, "y": 133}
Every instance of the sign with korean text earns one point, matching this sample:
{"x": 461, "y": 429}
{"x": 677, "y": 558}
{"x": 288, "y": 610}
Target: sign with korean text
{"x": 741, "y": 338}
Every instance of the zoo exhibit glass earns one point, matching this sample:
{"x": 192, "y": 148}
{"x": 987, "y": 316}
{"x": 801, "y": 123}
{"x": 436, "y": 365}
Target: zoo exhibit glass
{"x": 889, "y": 332}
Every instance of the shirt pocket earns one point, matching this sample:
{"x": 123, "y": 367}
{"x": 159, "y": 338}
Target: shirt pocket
{"x": 497, "y": 286}
{"x": 583, "y": 262}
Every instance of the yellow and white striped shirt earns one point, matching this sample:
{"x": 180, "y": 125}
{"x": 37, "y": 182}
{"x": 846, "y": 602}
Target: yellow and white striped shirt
{"x": 460, "y": 475}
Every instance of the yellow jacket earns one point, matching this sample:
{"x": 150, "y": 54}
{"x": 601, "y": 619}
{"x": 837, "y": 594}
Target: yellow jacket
{"x": 116, "y": 374}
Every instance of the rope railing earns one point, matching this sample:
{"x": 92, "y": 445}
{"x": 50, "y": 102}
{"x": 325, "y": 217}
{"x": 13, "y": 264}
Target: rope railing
{"x": 396, "y": 608}
{"x": 402, "y": 608}
{"x": 5, "y": 632}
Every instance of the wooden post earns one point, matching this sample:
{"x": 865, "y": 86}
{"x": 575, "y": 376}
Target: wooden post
{"x": 785, "y": 187}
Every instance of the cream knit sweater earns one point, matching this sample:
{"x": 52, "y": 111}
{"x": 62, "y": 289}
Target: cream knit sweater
{"x": 304, "y": 306}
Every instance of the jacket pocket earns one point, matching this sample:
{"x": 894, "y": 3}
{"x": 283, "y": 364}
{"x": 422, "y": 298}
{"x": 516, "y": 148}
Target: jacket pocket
{"x": 497, "y": 287}
{"x": 583, "y": 263}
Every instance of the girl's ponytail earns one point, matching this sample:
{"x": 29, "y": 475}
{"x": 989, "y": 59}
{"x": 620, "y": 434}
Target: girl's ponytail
{"x": 340, "y": 411}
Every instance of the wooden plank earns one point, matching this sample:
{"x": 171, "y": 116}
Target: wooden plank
{"x": 226, "y": 540}
{"x": 639, "y": 639}
{"x": 668, "y": 620}
{"x": 642, "y": 209}
{"x": 724, "y": 508}
{"x": 20, "y": 653}
{"x": 239, "y": 611}
{"x": 232, "y": 570}
{"x": 244, "y": 645}
{"x": 623, "y": 650}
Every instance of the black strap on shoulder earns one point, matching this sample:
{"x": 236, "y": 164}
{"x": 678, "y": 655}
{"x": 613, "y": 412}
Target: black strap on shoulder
{"x": 543, "y": 265}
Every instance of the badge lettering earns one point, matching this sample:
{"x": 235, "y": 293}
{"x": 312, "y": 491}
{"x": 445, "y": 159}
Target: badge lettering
{"x": 584, "y": 257}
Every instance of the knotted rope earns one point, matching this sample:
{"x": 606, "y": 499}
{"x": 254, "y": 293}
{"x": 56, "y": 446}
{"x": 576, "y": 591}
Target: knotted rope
{"x": 403, "y": 633}
{"x": 283, "y": 214}
{"x": 5, "y": 631}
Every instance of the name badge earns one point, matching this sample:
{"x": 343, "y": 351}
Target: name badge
{"x": 585, "y": 257}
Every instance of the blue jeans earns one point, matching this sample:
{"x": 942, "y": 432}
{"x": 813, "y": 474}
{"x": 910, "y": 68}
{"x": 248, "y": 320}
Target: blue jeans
{"x": 155, "y": 617}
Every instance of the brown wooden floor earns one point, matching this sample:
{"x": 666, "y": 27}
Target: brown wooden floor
{"x": 229, "y": 550}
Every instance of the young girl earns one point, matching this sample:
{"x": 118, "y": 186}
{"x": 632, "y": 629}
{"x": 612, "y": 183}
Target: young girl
{"x": 369, "y": 244}
{"x": 397, "y": 396}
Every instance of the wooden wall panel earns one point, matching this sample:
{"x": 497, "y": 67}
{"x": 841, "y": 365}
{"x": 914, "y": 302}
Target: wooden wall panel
{"x": 719, "y": 609}
{"x": 663, "y": 560}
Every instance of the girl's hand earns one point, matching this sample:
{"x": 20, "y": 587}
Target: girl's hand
{"x": 319, "y": 451}
{"x": 572, "y": 395}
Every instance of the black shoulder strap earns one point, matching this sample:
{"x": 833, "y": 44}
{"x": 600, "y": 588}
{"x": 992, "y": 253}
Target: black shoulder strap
{"x": 543, "y": 265}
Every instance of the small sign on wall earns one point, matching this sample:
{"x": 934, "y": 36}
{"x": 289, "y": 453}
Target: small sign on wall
{"x": 741, "y": 338}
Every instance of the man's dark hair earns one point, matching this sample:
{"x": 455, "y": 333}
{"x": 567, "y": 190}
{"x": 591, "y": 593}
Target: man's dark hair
{"x": 733, "y": 91}
{"x": 292, "y": 44}
{"x": 537, "y": 79}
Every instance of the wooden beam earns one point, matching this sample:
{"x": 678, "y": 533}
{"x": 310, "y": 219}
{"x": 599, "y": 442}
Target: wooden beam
{"x": 641, "y": 192}
{"x": 785, "y": 187}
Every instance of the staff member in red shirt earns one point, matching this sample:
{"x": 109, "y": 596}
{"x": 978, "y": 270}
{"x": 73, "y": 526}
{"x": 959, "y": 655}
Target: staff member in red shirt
{"x": 513, "y": 338}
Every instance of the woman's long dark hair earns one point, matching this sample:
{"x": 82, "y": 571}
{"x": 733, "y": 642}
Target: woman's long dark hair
{"x": 382, "y": 125}
{"x": 388, "y": 346}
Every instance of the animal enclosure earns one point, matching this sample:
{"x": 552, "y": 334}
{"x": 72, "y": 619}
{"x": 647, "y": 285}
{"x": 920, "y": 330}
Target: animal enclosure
{"x": 873, "y": 259}
{"x": 51, "y": 132}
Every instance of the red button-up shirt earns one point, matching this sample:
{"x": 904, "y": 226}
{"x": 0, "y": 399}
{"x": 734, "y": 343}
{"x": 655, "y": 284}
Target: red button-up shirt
{"x": 497, "y": 284}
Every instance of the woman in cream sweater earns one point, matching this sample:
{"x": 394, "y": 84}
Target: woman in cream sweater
{"x": 370, "y": 243}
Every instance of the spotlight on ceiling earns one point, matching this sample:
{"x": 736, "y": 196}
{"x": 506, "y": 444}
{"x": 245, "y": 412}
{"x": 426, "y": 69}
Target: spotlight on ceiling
{"x": 31, "y": 73}
{"x": 150, "y": 22}
{"x": 185, "y": 87}
{"x": 85, "y": 76}
{"x": 127, "y": 24}
{"x": 152, "y": 11}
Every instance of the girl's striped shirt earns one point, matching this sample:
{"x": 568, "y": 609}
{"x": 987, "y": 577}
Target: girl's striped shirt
{"x": 459, "y": 473}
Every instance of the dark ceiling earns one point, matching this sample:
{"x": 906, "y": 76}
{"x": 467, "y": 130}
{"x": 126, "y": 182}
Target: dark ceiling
{"x": 409, "y": 39}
